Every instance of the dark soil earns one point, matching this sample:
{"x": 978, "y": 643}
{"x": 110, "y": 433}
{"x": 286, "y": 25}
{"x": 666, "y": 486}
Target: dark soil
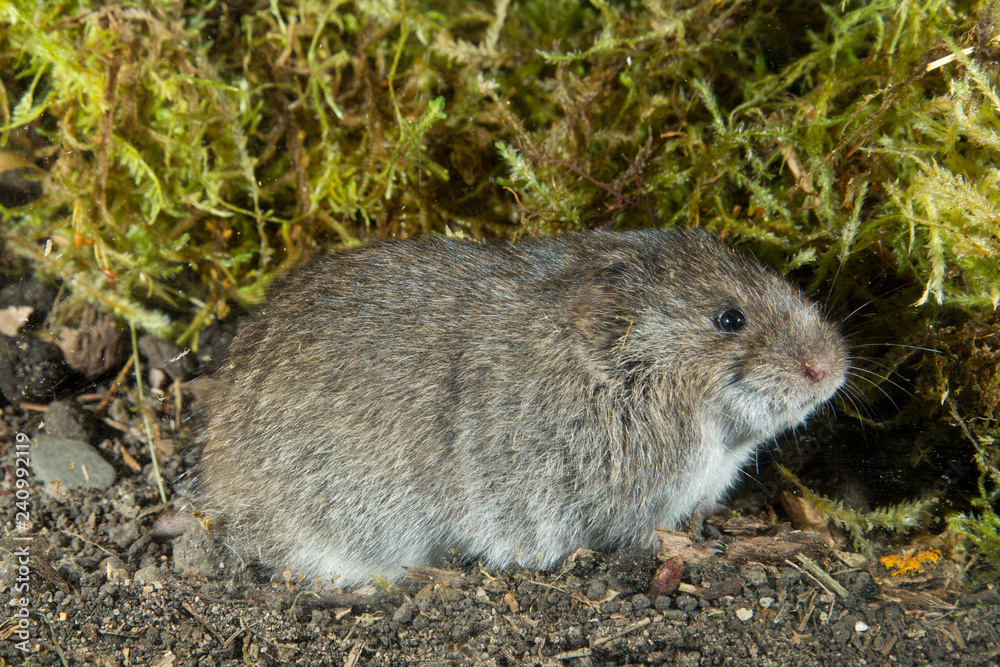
{"x": 100, "y": 588}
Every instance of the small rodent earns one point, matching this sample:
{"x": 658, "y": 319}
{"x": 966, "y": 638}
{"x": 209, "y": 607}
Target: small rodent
{"x": 513, "y": 402}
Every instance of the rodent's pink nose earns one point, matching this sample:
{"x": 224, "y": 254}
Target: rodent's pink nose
{"x": 815, "y": 371}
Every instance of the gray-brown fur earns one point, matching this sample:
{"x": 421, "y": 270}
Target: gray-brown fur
{"x": 512, "y": 402}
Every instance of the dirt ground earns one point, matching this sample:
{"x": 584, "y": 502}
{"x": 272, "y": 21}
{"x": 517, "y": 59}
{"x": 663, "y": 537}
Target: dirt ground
{"x": 93, "y": 577}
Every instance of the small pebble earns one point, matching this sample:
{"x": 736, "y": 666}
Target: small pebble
{"x": 72, "y": 461}
{"x": 766, "y": 602}
{"x": 63, "y": 420}
{"x": 667, "y": 578}
{"x": 597, "y": 590}
{"x": 641, "y": 601}
{"x": 861, "y": 626}
{"x": 148, "y": 575}
{"x": 405, "y": 612}
{"x": 744, "y": 614}
{"x": 754, "y": 574}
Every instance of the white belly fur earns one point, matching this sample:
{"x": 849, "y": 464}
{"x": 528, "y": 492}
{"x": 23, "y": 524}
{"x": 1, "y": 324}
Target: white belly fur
{"x": 709, "y": 474}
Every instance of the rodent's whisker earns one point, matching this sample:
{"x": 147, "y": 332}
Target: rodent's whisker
{"x": 856, "y": 373}
{"x": 853, "y": 396}
{"x": 898, "y": 345}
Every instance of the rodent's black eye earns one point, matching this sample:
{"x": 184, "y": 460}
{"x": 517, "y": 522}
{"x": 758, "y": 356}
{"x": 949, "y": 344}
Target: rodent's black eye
{"x": 730, "y": 320}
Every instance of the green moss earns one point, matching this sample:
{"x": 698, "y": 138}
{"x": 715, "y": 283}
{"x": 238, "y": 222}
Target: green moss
{"x": 902, "y": 517}
{"x": 203, "y": 148}
{"x": 982, "y": 526}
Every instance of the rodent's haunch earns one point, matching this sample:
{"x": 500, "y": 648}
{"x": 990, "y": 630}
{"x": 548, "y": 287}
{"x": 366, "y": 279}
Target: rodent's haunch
{"x": 511, "y": 402}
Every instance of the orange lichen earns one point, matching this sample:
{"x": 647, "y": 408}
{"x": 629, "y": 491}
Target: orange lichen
{"x": 910, "y": 561}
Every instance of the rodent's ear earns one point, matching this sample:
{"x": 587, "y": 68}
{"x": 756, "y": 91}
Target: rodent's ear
{"x": 598, "y": 312}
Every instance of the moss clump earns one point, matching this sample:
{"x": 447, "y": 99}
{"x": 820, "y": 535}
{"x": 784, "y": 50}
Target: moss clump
{"x": 859, "y": 525}
{"x": 194, "y": 151}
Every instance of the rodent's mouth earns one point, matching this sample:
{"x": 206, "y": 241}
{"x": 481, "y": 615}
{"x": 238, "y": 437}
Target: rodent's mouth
{"x": 765, "y": 412}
